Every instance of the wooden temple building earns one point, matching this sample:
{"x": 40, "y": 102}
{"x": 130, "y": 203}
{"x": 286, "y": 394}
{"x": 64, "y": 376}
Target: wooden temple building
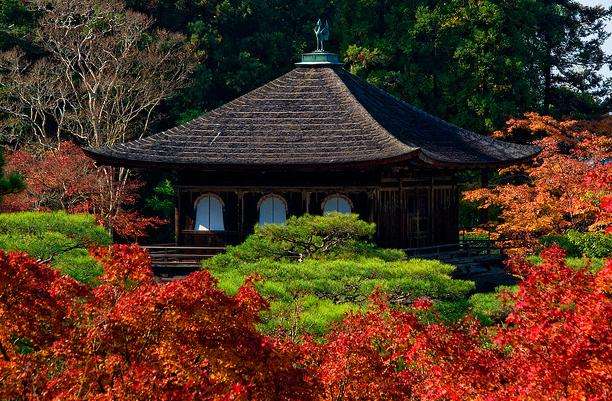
{"x": 315, "y": 140}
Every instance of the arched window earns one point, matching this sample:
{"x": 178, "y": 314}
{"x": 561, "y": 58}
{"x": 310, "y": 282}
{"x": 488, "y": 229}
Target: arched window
{"x": 272, "y": 210}
{"x": 337, "y": 203}
{"x": 209, "y": 213}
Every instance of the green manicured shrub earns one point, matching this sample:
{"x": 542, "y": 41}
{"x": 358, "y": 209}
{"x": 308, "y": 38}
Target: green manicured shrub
{"x": 345, "y": 284}
{"x": 563, "y": 241}
{"x": 321, "y": 237}
{"x": 58, "y": 237}
{"x": 576, "y": 244}
{"x": 594, "y": 245}
{"x": 308, "y": 314}
{"x": 314, "y": 269}
{"x": 345, "y": 280}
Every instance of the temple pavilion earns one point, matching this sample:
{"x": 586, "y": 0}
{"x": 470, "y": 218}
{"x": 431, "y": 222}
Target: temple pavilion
{"x": 316, "y": 140}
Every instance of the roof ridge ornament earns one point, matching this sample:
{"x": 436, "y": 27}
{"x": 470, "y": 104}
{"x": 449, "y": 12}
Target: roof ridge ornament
{"x": 322, "y": 34}
{"x": 320, "y": 57}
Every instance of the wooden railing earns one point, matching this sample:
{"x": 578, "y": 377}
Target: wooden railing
{"x": 465, "y": 247}
{"x": 181, "y": 256}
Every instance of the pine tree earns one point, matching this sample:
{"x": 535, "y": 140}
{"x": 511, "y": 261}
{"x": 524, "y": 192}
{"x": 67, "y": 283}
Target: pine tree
{"x": 11, "y": 183}
{"x": 569, "y": 51}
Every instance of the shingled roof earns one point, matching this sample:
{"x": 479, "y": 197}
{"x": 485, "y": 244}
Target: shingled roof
{"x": 315, "y": 115}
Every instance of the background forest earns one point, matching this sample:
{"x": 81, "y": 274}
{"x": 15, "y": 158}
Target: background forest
{"x": 474, "y": 63}
{"x": 91, "y": 73}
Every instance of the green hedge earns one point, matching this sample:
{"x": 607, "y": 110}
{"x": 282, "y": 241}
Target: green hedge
{"x": 576, "y": 244}
{"x": 312, "y": 295}
{"x": 333, "y": 236}
{"x": 59, "y": 237}
{"x": 314, "y": 269}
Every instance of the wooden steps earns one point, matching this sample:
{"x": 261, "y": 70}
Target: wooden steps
{"x": 170, "y": 262}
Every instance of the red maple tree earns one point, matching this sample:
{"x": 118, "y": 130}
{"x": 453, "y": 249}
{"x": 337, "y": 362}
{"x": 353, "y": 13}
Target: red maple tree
{"x": 568, "y": 185}
{"x": 65, "y": 178}
{"x": 132, "y": 338}
{"x": 555, "y": 345}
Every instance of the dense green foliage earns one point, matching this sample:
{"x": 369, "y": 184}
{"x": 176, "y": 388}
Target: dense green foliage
{"x": 10, "y": 183}
{"x": 474, "y": 63}
{"x": 314, "y": 269}
{"x": 576, "y": 244}
{"x": 61, "y": 238}
{"x": 161, "y": 200}
{"x": 16, "y": 21}
{"x": 313, "y": 294}
{"x": 332, "y": 236}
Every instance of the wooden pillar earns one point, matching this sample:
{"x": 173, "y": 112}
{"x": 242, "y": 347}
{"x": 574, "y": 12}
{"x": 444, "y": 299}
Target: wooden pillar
{"x": 177, "y": 217}
{"x": 241, "y": 215}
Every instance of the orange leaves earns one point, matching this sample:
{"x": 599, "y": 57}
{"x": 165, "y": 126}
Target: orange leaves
{"x": 36, "y": 301}
{"x": 133, "y": 226}
{"x": 249, "y": 299}
{"x": 62, "y": 178}
{"x": 123, "y": 264}
{"x": 562, "y": 189}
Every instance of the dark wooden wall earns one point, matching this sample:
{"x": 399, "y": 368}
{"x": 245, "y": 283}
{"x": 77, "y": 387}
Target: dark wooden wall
{"x": 410, "y": 208}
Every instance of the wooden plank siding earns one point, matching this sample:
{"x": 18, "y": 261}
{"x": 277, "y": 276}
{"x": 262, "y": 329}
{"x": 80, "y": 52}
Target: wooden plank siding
{"x": 410, "y": 209}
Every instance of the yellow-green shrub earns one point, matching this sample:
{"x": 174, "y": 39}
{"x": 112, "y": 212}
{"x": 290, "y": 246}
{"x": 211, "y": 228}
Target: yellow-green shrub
{"x": 57, "y": 237}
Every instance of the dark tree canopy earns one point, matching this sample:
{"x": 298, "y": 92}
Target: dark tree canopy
{"x": 473, "y": 63}
{"x": 9, "y": 183}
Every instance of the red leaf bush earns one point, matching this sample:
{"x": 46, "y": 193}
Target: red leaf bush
{"x": 185, "y": 340}
{"x": 65, "y": 178}
{"x": 132, "y": 338}
{"x": 555, "y": 345}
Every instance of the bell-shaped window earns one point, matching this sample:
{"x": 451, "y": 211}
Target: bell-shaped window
{"x": 209, "y": 213}
{"x": 337, "y": 203}
{"x": 272, "y": 210}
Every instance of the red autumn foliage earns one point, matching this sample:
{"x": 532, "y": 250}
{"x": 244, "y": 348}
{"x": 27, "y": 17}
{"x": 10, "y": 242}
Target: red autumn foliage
{"x": 185, "y": 340}
{"x": 560, "y": 332}
{"x": 64, "y": 178}
{"x": 123, "y": 264}
{"x": 132, "y": 338}
{"x": 564, "y": 188}
{"x": 555, "y": 345}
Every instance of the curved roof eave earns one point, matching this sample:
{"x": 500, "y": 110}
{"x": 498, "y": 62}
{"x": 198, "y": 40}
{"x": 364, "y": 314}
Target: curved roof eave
{"x": 432, "y": 161}
{"x": 117, "y": 161}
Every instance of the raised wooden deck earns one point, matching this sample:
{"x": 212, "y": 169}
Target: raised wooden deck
{"x": 171, "y": 262}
